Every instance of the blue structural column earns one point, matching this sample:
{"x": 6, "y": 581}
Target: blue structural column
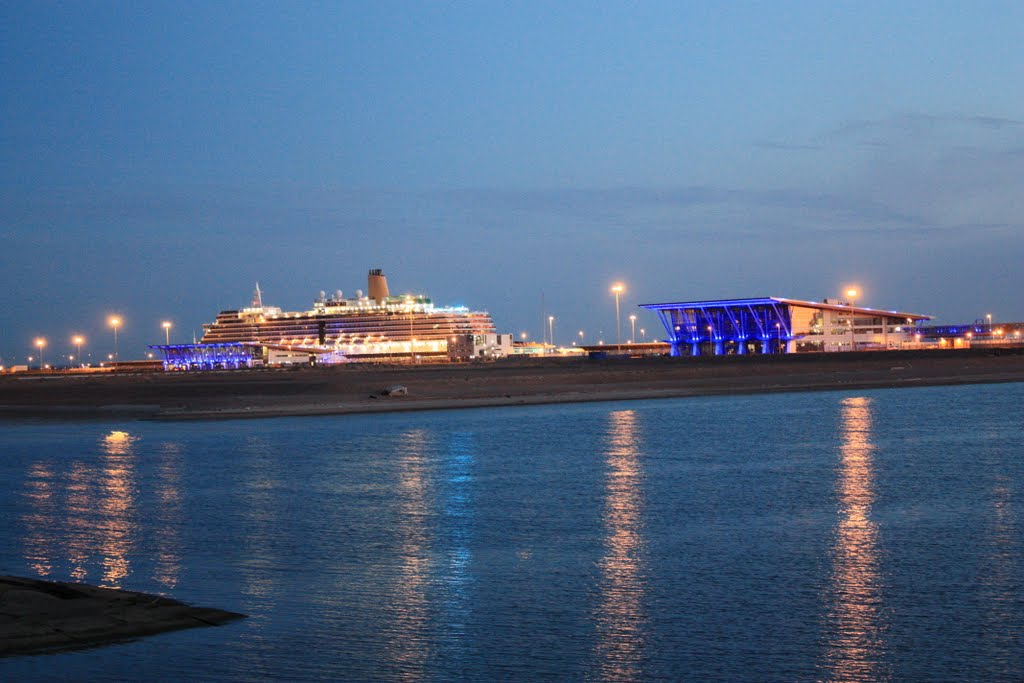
{"x": 677, "y": 348}
{"x": 695, "y": 348}
{"x": 766, "y": 346}
{"x": 741, "y": 346}
{"x": 719, "y": 348}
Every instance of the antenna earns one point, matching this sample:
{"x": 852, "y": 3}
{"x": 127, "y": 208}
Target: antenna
{"x": 257, "y": 297}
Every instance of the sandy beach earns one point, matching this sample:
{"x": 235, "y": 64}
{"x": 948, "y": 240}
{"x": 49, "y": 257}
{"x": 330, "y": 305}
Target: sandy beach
{"x": 359, "y": 388}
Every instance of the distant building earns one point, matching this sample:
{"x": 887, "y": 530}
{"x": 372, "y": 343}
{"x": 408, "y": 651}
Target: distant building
{"x": 774, "y": 325}
{"x": 464, "y": 347}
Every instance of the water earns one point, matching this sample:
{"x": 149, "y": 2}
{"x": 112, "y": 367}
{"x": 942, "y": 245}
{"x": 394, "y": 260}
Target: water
{"x": 826, "y": 536}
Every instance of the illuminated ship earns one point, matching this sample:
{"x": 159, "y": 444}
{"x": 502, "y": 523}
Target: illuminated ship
{"x": 377, "y": 325}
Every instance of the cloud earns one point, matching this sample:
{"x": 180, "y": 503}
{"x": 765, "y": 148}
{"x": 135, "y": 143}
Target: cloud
{"x": 919, "y": 123}
{"x": 787, "y": 146}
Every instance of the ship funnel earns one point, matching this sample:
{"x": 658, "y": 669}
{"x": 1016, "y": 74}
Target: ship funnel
{"x": 378, "y": 284}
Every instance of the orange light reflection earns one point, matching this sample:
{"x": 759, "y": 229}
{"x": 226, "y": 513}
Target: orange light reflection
{"x": 620, "y": 615}
{"x": 116, "y": 506}
{"x": 855, "y": 645}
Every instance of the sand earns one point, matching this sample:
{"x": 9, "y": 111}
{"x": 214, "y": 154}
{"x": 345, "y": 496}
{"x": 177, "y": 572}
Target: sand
{"x": 357, "y": 388}
{"x": 43, "y": 616}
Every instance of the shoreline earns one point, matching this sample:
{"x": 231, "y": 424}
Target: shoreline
{"x": 359, "y": 389}
{"x": 40, "y": 617}
{"x": 421, "y": 405}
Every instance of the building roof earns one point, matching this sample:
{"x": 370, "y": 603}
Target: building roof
{"x": 772, "y": 300}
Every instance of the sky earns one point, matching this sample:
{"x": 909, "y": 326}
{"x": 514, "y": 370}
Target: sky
{"x": 160, "y": 158}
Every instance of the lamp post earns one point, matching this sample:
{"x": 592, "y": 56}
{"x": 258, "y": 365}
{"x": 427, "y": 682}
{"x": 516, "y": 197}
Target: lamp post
{"x": 40, "y": 343}
{"x": 643, "y": 334}
{"x": 581, "y": 337}
{"x": 115, "y": 322}
{"x": 551, "y": 329}
{"x": 778, "y": 335}
{"x": 617, "y": 289}
{"x": 167, "y": 331}
{"x": 632, "y": 326}
{"x": 989, "y": 316}
{"x": 77, "y": 340}
{"x": 852, "y": 294}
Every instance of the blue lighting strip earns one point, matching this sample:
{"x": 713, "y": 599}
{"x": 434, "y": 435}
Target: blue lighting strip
{"x": 207, "y": 356}
{"x": 951, "y": 330}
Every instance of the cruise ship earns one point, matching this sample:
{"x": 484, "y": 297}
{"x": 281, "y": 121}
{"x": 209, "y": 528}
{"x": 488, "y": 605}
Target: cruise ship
{"x": 373, "y": 326}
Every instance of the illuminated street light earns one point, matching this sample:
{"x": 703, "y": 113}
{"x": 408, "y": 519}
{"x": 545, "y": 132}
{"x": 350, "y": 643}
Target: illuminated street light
{"x": 551, "y": 329}
{"x": 78, "y": 340}
{"x": 167, "y": 331}
{"x": 581, "y": 337}
{"x": 643, "y": 334}
{"x": 40, "y": 344}
{"x": 618, "y": 289}
{"x": 115, "y": 322}
{"x": 989, "y": 316}
{"x": 632, "y": 333}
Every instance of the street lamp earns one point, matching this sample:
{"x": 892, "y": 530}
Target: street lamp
{"x": 581, "y": 337}
{"x": 617, "y": 289}
{"x": 115, "y": 322}
{"x": 632, "y": 333}
{"x": 643, "y": 334}
{"x": 40, "y": 343}
{"x": 78, "y": 340}
{"x": 551, "y": 329}
{"x": 778, "y": 336}
{"x": 167, "y": 331}
{"x": 989, "y": 316}
{"x": 852, "y": 294}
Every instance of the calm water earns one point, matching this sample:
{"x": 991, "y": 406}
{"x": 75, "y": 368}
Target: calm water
{"x": 827, "y": 536}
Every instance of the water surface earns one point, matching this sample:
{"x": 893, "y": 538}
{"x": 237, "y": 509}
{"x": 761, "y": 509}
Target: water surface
{"x": 872, "y": 535}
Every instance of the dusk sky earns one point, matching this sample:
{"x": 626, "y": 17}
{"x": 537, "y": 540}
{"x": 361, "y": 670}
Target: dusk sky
{"x": 160, "y": 158}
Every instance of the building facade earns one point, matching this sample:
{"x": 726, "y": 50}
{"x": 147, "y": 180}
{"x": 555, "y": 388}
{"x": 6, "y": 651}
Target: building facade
{"x": 770, "y": 325}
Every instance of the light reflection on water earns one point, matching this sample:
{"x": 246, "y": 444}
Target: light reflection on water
{"x": 620, "y": 617}
{"x": 116, "y": 504}
{"x": 167, "y": 535}
{"x": 457, "y": 520}
{"x": 83, "y": 515}
{"x": 855, "y": 643}
{"x": 258, "y": 510}
{"x": 40, "y": 518}
{"x": 1001, "y": 579}
{"x": 408, "y": 647}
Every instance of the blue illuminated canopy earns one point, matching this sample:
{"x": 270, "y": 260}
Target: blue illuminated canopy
{"x": 751, "y": 325}
{"x": 208, "y": 356}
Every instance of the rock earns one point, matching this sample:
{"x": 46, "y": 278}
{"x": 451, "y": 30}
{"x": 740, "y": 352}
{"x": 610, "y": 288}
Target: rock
{"x": 42, "y": 616}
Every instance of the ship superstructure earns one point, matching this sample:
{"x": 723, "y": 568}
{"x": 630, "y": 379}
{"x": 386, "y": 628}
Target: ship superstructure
{"x": 363, "y": 327}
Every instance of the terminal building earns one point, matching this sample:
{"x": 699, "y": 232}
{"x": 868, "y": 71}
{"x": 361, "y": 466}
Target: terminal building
{"x": 771, "y": 325}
